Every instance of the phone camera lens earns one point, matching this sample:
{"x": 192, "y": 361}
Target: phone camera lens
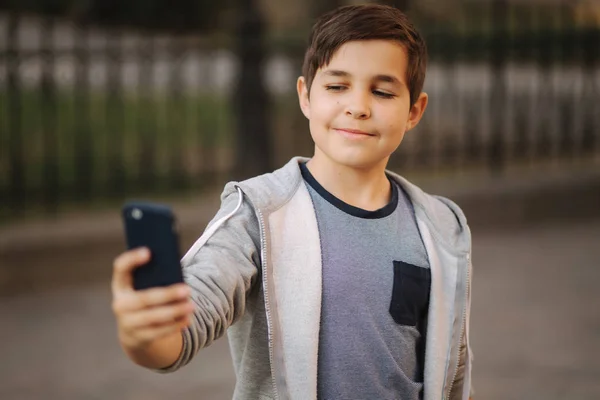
{"x": 136, "y": 213}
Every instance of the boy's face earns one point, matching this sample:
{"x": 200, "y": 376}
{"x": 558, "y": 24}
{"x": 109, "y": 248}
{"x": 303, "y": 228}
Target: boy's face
{"x": 359, "y": 104}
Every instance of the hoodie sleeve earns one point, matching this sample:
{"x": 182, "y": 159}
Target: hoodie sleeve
{"x": 220, "y": 273}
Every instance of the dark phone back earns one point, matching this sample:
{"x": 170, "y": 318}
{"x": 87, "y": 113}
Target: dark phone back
{"x": 153, "y": 226}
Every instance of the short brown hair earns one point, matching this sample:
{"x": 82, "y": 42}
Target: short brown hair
{"x": 366, "y": 22}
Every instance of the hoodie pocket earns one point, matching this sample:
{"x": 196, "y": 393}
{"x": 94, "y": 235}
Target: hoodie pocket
{"x": 410, "y": 293}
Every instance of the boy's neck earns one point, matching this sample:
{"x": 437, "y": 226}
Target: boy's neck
{"x": 365, "y": 188}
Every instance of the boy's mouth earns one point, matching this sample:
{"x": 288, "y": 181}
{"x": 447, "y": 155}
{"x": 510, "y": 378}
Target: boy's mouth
{"x": 356, "y": 133}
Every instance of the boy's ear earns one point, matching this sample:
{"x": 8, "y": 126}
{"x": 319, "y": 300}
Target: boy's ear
{"x": 303, "y": 96}
{"x": 417, "y": 110}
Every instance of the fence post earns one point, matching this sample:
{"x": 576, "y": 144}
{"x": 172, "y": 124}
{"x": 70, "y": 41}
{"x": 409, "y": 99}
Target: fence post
{"x": 146, "y": 115}
{"x": 566, "y": 101}
{"x": 250, "y": 99}
{"x": 16, "y": 186}
{"x": 591, "y": 50}
{"x": 453, "y": 99}
{"x": 475, "y": 43}
{"x": 522, "y": 43}
{"x": 320, "y": 7}
{"x": 499, "y": 55}
{"x": 115, "y": 115}
{"x": 176, "y": 117}
{"x": 51, "y": 183}
{"x": 546, "y": 94}
{"x": 84, "y": 155}
{"x": 403, "y": 5}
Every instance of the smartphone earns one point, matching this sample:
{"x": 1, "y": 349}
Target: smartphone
{"x": 153, "y": 226}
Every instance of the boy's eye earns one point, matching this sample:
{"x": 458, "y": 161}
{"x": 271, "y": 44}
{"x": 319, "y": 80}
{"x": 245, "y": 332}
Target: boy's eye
{"x": 378, "y": 93}
{"x": 383, "y": 95}
{"x": 335, "y": 88}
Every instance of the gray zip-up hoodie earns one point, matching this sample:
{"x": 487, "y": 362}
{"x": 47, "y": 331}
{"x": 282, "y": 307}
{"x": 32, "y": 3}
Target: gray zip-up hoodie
{"x": 256, "y": 273}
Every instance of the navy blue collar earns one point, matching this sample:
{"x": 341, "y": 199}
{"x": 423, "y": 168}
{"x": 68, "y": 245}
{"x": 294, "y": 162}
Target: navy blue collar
{"x": 345, "y": 207}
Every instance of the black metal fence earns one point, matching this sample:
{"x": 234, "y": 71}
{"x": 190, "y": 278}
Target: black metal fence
{"x": 89, "y": 115}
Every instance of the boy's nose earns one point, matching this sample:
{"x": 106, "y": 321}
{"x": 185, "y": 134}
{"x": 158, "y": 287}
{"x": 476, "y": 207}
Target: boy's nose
{"x": 358, "y": 107}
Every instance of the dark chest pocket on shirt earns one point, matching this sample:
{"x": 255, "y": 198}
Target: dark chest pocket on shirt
{"x": 410, "y": 294}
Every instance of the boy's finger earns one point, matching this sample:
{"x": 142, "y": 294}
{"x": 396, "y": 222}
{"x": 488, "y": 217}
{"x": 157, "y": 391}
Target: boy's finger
{"x": 125, "y": 264}
{"x": 156, "y": 332}
{"x": 159, "y": 316}
{"x": 163, "y": 295}
{"x": 148, "y": 298}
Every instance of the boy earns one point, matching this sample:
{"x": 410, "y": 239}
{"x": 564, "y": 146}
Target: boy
{"x": 334, "y": 278}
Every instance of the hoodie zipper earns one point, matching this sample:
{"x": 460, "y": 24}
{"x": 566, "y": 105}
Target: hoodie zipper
{"x": 267, "y": 302}
{"x": 263, "y": 257}
{"x": 462, "y": 327}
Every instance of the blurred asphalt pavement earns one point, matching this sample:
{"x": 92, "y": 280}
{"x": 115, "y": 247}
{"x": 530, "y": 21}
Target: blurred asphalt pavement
{"x": 535, "y": 323}
{"x": 535, "y": 330}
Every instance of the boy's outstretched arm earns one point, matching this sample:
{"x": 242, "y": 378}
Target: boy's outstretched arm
{"x": 149, "y": 321}
{"x": 163, "y": 328}
{"x": 221, "y": 275}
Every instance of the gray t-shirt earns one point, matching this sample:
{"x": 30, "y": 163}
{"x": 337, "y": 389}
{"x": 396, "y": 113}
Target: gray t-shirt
{"x": 376, "y": 283}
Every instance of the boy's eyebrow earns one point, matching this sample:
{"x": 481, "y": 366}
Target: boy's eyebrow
{"x": 379, "y": 78}
{"x": 388, "y": 79}
{"x": 336, "y": 72}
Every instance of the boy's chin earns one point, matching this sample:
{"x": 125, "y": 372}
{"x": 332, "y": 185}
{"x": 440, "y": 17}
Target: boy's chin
{"x": 359, "y": 161}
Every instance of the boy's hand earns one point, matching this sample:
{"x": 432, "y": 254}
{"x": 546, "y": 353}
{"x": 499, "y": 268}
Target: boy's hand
{"x": 143, "y": 316}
